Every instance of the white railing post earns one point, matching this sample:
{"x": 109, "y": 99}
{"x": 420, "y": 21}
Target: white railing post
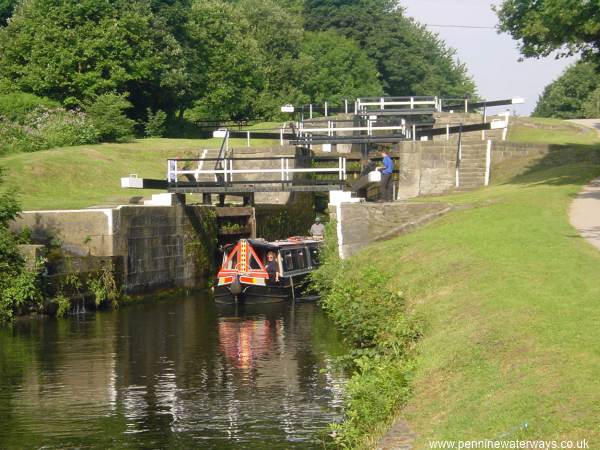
{"x": 412, "y": 103}
{"x": 505, "y": 130}
{"x": 172, "y": 170}
{"x": 484, "y": 121}
{"x": 281, "y": 136}
{"x": 340, "y": 173}
{"x": 248, "y": 138}
{"x": 488, "y": 162}
{"x": 356, "y": 107}
{"x": 345, "y": 106}
{"x": 325, "y": 109}
{"x": 382, "y": 103}
{"x": 447, "y": 131}
{"x": 414, "y": 132}
{"x": 310, "y": 111}
{"x": 282, "y": 169}
{"x": 466, "y": 106}
{"x": 287, "y": 169}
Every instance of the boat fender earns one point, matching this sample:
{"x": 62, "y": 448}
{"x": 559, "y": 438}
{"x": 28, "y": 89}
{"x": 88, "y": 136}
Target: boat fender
{"x": 235, "y": 287}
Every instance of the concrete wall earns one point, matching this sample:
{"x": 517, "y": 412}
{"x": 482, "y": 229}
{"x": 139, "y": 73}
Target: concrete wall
{"x": 360, "y": 224}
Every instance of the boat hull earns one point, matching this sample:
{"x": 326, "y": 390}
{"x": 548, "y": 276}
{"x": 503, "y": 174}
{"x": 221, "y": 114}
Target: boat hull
{"x": 261, "y": 294}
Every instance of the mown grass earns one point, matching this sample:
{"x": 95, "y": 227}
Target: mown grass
{"x": 509, "y": 293}
{"x": 507, "y": 299}
{"x": 89, "y": 175}
{"x": 550, "y": 131}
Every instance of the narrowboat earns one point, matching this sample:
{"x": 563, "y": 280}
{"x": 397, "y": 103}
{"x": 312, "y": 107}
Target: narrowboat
{"x": 247, "y": 271}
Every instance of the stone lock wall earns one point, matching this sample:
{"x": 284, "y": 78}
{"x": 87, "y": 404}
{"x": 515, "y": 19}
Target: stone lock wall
{"x": 360, "y": 224}
{"x": 152, "y": 246}
{"x": 426, "y": 168}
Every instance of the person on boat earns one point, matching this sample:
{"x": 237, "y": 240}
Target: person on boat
{"x": 318, "y": 229}
{"x": 386, "y": 177}
{"x": 271, "y": 268}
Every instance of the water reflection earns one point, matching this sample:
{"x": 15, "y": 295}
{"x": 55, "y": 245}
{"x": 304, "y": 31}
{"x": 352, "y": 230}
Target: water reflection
{"x": 174, "y": 373}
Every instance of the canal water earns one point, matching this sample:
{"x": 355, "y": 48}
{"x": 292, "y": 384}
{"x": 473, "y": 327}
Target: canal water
{"x": 171, "y": 373}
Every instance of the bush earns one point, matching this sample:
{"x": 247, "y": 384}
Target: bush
{"x": 45, "y": 128}
{"x": 17, "y": 106}
{"x": 107, "y": 114}
{"x": 156, "y": 126}
{"x": 372, "y": 318}
{"x": 59, "y": 127}
{"x": 18, "y": 286}
{"x": 16, "y": 138}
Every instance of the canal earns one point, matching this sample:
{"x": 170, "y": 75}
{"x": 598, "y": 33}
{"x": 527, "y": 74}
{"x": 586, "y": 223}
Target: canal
{"x": 177, "y": 372}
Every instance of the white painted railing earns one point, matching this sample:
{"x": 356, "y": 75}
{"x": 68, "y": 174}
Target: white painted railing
{"x": 227, "y": 170}
{"x": 332, "y": 129}
{"x": 366, "y": 103}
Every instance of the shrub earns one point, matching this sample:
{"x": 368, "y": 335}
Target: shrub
{"x": 156, "y": 126}
{"x": 18, "y": 286}
{"x": 372, "y": 318}
{"x": 16, "y": 138}
{"x": 104, "y": 287}
{"x": 16, "y": 106}
{"x": 107, "y": 113}
{"x": 59, "y": 127}
{"x": 45, "y": 128}
{"x": 63, "y": 305}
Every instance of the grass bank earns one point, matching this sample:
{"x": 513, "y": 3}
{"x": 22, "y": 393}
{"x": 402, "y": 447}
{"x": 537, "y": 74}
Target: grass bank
{"x": 550, "y": 131}
{"x": 89, "y": 175}
{"x": 504, "y": 297}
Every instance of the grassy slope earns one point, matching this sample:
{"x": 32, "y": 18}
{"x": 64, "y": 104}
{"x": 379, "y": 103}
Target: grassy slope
{"x": 83, "y": 176}
{"x": 550, "y": 131}
{"x": 510, "y": 298}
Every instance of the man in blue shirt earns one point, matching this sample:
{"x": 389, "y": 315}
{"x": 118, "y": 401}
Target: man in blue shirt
{"x": 386, "y": 177}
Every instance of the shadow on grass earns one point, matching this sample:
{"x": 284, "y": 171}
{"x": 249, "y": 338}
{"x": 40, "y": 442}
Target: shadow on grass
{"x": 562, "y": 165}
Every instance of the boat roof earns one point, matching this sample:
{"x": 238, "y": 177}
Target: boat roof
{"x": 276, "y": 245}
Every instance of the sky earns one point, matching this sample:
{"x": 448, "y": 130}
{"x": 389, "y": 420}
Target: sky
{"x": 491, "y": 58}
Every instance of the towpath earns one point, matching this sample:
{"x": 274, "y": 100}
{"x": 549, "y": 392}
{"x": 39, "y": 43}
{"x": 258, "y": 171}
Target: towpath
{"x": 584, "y": 213}
{"x": 590, "y": 123}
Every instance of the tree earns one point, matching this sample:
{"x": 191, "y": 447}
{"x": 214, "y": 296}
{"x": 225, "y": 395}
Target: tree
{"x": 410, "y": 59}
{"x": 6, "y": 9}
{"x": 567, "y": 96}
{"x": 232, "y": 69}
{"x": 336, "y": 68}
{"x": 74, "y": 51}
{"x": 543, "y": 26}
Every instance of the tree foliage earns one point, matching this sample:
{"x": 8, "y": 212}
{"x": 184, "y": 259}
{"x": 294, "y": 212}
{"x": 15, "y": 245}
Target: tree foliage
{"x": 410, "y": 59}
{"x": 220, "y": 59}
{"x": 74, "y": 51}
{"x": 336, "y": 68}
{"x": 107, "y": 113}
{"x": 573, "y": 95}
{"x": 543, "y": 26}
{"x": 6, "y": 9}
